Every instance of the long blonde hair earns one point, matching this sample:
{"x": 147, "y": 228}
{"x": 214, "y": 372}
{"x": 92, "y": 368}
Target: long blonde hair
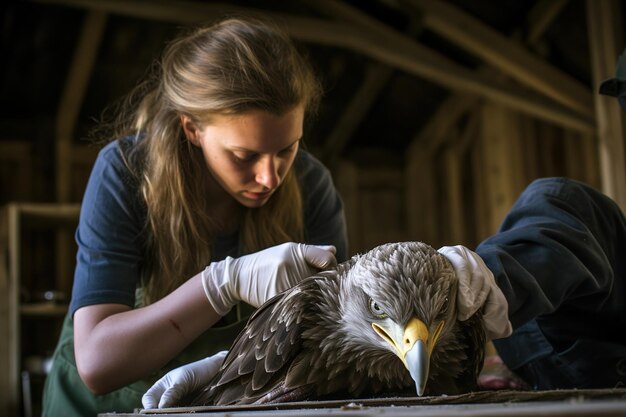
{"x": 232, "y": 67}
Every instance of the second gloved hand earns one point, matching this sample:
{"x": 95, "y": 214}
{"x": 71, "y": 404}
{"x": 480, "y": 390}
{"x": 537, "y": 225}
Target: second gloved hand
{"x": 257, "y": 277}
{"x": 478, "y": 289}
{"x": 182, "y": 381}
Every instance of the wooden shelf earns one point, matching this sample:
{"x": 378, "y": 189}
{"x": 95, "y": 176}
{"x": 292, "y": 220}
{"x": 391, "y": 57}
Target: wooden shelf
{"x": 43, "y": 309}
{"x": 20, "y": 225}
{"x": 56, "y": 214}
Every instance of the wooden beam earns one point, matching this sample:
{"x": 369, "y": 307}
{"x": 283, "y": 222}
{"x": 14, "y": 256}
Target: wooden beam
{"x": 434, "y": 133}
{"x": 482, "y": 218}
{"x": 541, "y": 18}
{"x": 420, "y": 193}
{"x": 347, "y": 181}
{"x": 470, "y": 132}
{"x": 504, "y": 54}
{"x": 444, "y": 118}
{"x": 451, "y": 160}
{"x": 605, "y": 40}
{"x": 388, "y": 46}
{"x": 376, "y": 77}
{"x": 383, "y": 44}
{"x": 9, "y": 305}
{"x": 502, "y": 166}
{"x": 73, "y": 95}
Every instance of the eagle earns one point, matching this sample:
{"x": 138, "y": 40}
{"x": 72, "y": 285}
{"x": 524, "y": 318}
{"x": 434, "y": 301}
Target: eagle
{"x": 381, "y": 324}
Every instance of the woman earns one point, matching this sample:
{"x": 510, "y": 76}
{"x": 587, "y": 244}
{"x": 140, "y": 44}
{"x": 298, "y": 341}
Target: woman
{"x": 208, "y": 169}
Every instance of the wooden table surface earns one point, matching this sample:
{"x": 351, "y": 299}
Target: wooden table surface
{"x": 581, "y": 403}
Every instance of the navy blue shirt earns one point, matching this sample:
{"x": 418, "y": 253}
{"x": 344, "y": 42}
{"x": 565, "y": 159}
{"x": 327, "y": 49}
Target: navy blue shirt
{"x": 111, "y": 236}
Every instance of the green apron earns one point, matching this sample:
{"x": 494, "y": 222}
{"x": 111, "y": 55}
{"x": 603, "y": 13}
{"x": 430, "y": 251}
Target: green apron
{"x": 65, "y": 394}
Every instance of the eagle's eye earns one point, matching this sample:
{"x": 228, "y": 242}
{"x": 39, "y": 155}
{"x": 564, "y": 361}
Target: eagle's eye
{"x": 444, "y": 306}
{"x": 376, "y": 310}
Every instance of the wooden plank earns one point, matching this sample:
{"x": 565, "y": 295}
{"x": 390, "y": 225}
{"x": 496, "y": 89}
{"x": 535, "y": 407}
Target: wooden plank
{"x": 73, "y": 95}
{"x": 383, "y": 207}
{"x": 500, "y": 403}
{"x": 14, "y": 217}
{"x": 347, "y": 180}
{"x": 481, "y": 206}
{"x": 502, "y": 167}
{"x": 530, "y": 145}
{"x": 590, "y": 160}
{"x": 470, "y": 132}
{"x": 6, "y": 380}
{"x": 10, "y": 360}
{"x": 454, "y": 201}
{"x": 406, "y": 54}
{"x": 8, "y": 384}
{"x": 16, "y": 170}
{"x": 49, "y": 212}
{"x": 383, "y": 44}
{"x": 541, "y": 17}
{"x": 461, "y": 101}
{"x": 376, "y": 77}
{"x": 606, "y": 41}
{"x": 435, "y": 132}
{"x": 504, "y": 54}
{"x": 420, "y": 195}
{"x": 561, "y": 408}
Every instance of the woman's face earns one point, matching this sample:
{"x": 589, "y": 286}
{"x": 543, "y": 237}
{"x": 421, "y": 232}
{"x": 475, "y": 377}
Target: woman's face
{"x": 249, "y": 154}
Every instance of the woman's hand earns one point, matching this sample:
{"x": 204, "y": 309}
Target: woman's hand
{"x": 257, "y": 277}
{"x": 182, "y": 381}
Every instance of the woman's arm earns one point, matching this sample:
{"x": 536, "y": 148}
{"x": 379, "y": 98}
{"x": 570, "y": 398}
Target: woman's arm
{"x": 115, "y": 345}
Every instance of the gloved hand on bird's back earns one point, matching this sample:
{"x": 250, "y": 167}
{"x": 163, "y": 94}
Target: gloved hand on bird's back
{"x": 478, "y": 289}
{"x": 253, "y": 279}
{"x": 257, "y": 277}
{"x": 412, "y": 267}
{"x": 179, "y": 382}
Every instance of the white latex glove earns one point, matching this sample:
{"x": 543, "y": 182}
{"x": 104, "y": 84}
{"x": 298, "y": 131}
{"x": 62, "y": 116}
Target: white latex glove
{"x": 257, "y": 277}
{"x": 177, "y": 383}
{"x": 478, "y": 289}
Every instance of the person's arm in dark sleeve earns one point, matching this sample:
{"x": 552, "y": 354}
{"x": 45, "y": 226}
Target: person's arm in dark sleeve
{"x": 559, "y": 245}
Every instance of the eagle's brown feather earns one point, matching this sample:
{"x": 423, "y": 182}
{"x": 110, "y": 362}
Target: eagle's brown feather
{"x": 316, "y": 339}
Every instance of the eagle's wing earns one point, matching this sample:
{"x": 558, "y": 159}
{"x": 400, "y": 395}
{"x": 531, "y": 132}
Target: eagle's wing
{"x": 455, "y": 366}
{"x": 474, "y": 339}
{"x": 261, "y": 355}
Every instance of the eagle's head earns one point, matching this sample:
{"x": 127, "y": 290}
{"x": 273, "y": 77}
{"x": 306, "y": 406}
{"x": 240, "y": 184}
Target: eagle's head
{"x": 399, "y": 298}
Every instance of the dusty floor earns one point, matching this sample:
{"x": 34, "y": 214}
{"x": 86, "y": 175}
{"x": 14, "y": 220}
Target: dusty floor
{"x": 596, "y": 403}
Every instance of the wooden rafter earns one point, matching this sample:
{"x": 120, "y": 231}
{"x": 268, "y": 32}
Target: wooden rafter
{"x": 503, "y": 53}
{"x": 73, "y": 96}
{"x": 382, "y": 44}
{"x": 541, "y": 18}
{"x": 606, "y": 40}
{"x": 433, "y": 133}
{"x": 420, "y": 178}
{"x": 376, "y": 77}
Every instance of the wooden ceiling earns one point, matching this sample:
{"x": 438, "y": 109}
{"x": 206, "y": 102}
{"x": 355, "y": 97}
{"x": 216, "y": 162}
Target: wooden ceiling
{"x": 392, "y": 69}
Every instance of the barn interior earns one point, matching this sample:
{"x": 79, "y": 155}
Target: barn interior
{"x": 436, "y": 114}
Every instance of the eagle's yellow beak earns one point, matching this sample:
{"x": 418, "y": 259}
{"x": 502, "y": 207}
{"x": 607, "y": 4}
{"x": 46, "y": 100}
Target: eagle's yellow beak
{"x": 413, "y": 345}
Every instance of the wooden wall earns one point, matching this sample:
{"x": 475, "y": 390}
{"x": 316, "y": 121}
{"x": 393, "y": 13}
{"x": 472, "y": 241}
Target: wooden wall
{"x": 459, "y": 191}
